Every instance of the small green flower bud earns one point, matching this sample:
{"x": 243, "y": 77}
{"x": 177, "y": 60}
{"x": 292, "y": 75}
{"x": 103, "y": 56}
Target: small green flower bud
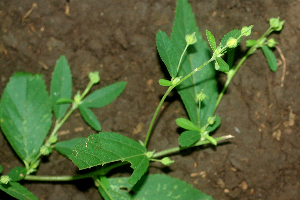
{"x": 149, "y": 154}
{"x": 231, "y": 42}
{"x": 211, "y": 120}
{"x": 5, "y": 179}
{"x": 201, "y": 96}
{"x": 246, "y": 30}
{"x": 272, "y": 43}
{"x": 191, "y": 39}
{"x": 53, "y": 139}
{"x": 77, "y": 97}
{"x": 276, "y": 24}
{"x": 167, "y": 161}
{"x": 45, "y": 150}
{"x": 94, "y": 77}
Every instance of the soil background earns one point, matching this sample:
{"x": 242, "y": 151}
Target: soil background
{"x": 117, "y": 38}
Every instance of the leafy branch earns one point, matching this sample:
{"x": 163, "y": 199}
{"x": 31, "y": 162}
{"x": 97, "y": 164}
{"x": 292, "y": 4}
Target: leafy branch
{"x": 26, "y": 114}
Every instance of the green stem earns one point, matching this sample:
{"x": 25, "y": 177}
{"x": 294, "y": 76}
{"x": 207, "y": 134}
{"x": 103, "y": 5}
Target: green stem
{"x": 55, "y": 178}
{"x": 232, "y": 72}
{"x": 199, "y": 114}
{"x": 101, "y": 172}
{"x": 177, "y": 149}
{"x": 186, "y": 46}
{"x": 87, "y": 89}
{"x": 165, "y": 96}
{"x": 58, "y": 124}
{"x": 155, "y": 114}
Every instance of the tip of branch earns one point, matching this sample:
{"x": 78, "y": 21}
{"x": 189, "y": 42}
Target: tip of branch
{"x": 227, "y": 137}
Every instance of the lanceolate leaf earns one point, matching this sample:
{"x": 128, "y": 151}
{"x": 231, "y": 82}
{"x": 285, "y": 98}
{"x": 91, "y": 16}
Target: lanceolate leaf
{"x": 187, "y": 138}
{"x": 17, "y": 191}
{"x": 270, "y": 57}
{"x": 223, "y": 66}
{"x": 64, "y": 101}
{"x": 187, "y": 124}
{"x": 61, "y": 86}
{"x": 25, "y": 114}
{"x": 196, "y": 55}
{"x": 104, "y": 148}
{"x": 230, "y": 57}
{"x": 104, "y": 96}
{"x": 164, "y": 82}
{"x": 89, "y": 118}
{"x": 211, "y": 40}
{"x": 157, "y": 186}
{"x": 166, "y": 52}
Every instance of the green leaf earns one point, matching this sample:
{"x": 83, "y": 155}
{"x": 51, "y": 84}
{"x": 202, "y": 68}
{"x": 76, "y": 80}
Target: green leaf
{"x": 212, "y": 140}
{"x": 166, "y": 52}
{"x": 104, "y": 148}
{"x": 104, "y": 189}
{"x": 234, "y": 33}
{"x": 270, "y": 57}
{"x": 25, "y": 114}
{"x": 187, "y": 138}
{"x": 215, "y": 125}
{"x": 230, "y": 57}
{"x": 211, "y": 40}
{"x": 61, "y": 86}
{"x": 66, "y": 147}
{"x": 17, "y": 191}
{"x": 109, "y": 192}
{"x": 223, "y": 66}
{"x": 89, "y": 117}
{"x": 197, "y": 54}
{"x": 64, "y": 101}
{"x": 1, "y": 168}
{"x": 104, "y": 96}
{"x": 17, "y": 173}
{"x": 157, "y": 186}
{"x": 250, "y": 43}
{"x": 164, "y": 82}
{"x": 187, "y": 124}
{"x": 119, "y": 188}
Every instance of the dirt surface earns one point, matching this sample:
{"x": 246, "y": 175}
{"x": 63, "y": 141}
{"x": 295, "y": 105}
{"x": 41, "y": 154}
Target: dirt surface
{"x": 117, "y": 38}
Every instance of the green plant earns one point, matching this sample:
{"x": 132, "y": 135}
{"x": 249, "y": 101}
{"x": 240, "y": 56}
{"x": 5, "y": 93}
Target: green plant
{"x": 26, "y": 112}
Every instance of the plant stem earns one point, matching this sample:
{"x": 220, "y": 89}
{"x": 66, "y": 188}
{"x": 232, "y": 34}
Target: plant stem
{"x": 55, "y": 178}
{"x": 165, "y": 96}
{"x": 186, "y": 46}
{"x": 155, "y": 114}
{"x": 57, "y": 126}
{"x": 177, "y": 149}
{"x": 101, "y": 172}
{"x": 87, "y": 89}
{"x": 233, "y": 71}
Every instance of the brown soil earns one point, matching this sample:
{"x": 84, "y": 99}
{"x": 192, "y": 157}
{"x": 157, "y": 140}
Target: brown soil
{"x": 117, "y": 38}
